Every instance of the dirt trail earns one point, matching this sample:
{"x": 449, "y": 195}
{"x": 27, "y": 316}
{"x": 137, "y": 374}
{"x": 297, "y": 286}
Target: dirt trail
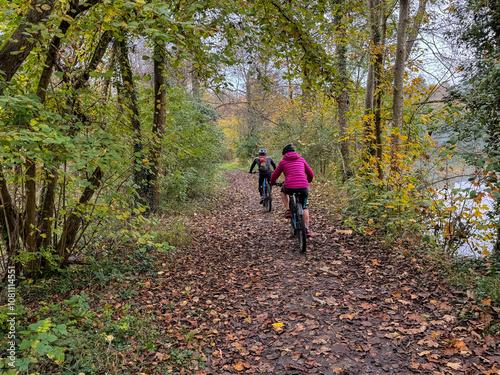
{"x": 252, "y": 303}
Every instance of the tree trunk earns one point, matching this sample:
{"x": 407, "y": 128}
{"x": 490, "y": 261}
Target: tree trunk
{"x": 140, "y": 178}
{"x": 195, "y": 81}
{"x": 44, "y": 221}
{"x": 368, "y": 133}
{"x": 378, "y": 32}
{"x": 21, "y": 42}
{"x": 397, "y": 97}
{"x": 343, "y": 98}
{"x": 50, "y": 61}
{"x": 29, "y": 229}
{"x": 159, "y": 120}
{"x": 11, "y": 216}
{"x": 46, "y": 212}
{"x": 415, "y": 29}
{"x": 368, "y": 121}
{"x": 82, "y": 79}
{"x": 496, "y": 247}
{"x": 305, "y": 95}
{"x": 74, "y": 221}
{"x": 97, "y": 57}
{"x": 250, "y": 112}
{"x": 51, "y": 55}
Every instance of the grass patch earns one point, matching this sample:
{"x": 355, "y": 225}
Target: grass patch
{"x": 178, "y": 233}
{"x": 234, "y": 166}
{"x": 480, "y": 276}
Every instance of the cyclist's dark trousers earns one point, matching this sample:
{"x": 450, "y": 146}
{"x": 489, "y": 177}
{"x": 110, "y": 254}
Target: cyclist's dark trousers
{"x": 302, "y": 194}
{"x": 262, "y": 176}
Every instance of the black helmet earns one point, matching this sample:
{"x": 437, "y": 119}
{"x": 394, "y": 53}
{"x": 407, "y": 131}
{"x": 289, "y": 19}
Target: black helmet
{"x": 262, "y": 151}
{"x": 288, "y": 148}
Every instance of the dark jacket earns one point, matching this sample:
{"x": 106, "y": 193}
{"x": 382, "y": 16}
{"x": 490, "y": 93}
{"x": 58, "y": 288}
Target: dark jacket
{"x": 256, "y": 161}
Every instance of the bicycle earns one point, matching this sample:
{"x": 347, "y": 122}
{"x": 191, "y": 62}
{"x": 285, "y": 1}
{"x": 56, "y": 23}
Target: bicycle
{"x": 266, "y": 191}
{"x": 268, "y": 198}
{"x": 297, "y": 219}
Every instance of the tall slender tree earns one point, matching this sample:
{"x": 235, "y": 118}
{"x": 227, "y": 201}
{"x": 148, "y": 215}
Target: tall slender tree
{"x": 397, "y": 97}
{"x": 343, "y": 97}
{"x": 131, "y": 102}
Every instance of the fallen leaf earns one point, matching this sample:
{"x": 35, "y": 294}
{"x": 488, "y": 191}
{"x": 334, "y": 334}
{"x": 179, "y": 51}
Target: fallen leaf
{"x": 346, "y": 316}
{"x": 486, "y": 302}
{"x": 449, "y": 318}
{"x": 239, "y": 366}
{"x": 454, "y": 366}
{"x": 345, "y": 231}
{"x": 331, "y": 301}
{"x": 428, "y": 366}
{"x": 427, "y": 342}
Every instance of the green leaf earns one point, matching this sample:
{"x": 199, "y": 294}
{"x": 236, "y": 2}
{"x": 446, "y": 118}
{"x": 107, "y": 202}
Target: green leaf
{"x": 51, "y": 338}
{"x": 61, "y": 328}
{"x": 42, "y": 348}
{"x": 25, "y": 344}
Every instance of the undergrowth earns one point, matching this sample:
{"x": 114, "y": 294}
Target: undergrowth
{"x": 89, "y": 318}
{"x": 395, "y": 226}
{"x": 478, "y": 275}
{"x": 374, "y": 214}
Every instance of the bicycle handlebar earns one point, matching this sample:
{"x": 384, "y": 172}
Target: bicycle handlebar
{"x": 278, "y": 183}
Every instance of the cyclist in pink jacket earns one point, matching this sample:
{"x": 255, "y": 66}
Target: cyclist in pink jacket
{"x": 298, "y": 175}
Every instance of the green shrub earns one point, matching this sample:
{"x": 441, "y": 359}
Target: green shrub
{"x": 69, "y": 337}
{"x": 191, "y": 163}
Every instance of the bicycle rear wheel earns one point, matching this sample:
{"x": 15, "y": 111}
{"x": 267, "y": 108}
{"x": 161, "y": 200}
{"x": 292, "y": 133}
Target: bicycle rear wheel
{"x": 269, "y": 197}
{"x": 301, "y": 229}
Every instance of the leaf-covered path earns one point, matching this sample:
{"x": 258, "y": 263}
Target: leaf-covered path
{"x": 247, "y": 301}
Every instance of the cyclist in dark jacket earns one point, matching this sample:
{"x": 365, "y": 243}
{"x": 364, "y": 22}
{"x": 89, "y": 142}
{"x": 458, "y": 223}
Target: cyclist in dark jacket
{"x": 264, "y": 164}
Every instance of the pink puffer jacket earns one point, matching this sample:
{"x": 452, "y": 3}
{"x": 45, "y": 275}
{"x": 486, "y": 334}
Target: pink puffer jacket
{"x": 297, "y": 172}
